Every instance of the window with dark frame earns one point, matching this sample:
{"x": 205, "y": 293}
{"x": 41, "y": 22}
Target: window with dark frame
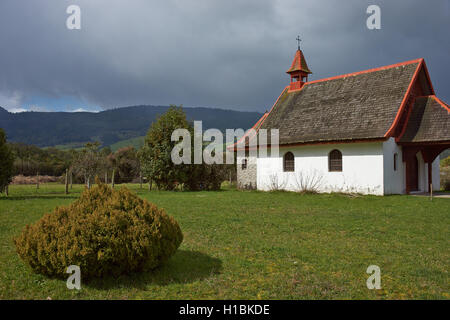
{"x": 288, "y": 162}
{"x": 395, "y": 162}
{"x": 244, "y": 164}
{"x": 335, "y": 161}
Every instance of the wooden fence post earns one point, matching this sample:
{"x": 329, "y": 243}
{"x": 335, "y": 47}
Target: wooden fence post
{"x": 67, "y": 181}
{"x": 112, "y": 178}
{"x": 37, "y": 180}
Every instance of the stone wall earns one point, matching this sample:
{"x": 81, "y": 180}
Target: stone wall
{"x": 246, "y": 178}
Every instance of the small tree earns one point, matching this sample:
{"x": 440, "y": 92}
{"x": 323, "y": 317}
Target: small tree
{"x": 89, "y": 162}
{"x": 105, "y": 153}
{"x": 125, "y": 163}
{"x": 6, "y": 163}
{"x": 156, "y": 158}
{"x": 156, "y": 161}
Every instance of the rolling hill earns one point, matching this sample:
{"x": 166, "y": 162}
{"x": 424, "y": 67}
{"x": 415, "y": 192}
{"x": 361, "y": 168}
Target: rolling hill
{"x": 45, "y": 129}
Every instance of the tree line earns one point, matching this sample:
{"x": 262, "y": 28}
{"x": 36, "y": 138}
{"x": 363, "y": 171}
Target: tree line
{"x": 151, "y": 164}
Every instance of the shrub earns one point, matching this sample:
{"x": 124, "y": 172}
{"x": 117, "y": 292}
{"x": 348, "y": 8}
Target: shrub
{"x": 446, "y": 186}
{"x": 445, "y": 162}
{"x": 105, "y": 232}
{"x": 205, "y": 177}
{"x": 309, "y": 182}
{"x": 445, "y": 178}
{"x": 20, "y": 179}
{"x": 6, "y": 162}
{"x": 126, "y": 163}
{"x": 276, "y": 183}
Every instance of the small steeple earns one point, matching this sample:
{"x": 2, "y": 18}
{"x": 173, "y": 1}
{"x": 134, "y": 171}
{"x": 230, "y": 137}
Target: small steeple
{"x": 299, "y": 70}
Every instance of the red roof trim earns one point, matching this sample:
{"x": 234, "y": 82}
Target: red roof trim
{"x": 428, "y": 77}
{"x": 406, "y": 120}
{"x": 421, "y": 63}
{"x": 366, "y": 71}
{"x": 255, "y": 127}
{"x": 442, "y": 103}
{"x": 261, "y": 120}
{"x": 285, "y": 88}
{"x": 405, "y": 99}
{"x": 296, "y": 90}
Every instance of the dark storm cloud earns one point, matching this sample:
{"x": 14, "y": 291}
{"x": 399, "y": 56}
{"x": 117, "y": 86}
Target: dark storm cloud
{"x": 230, "y": 54}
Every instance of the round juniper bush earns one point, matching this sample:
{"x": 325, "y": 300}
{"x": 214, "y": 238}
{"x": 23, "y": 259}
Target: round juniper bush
{"x": 105, "y": 232}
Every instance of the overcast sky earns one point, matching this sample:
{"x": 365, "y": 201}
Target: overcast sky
{"x": 208, "y": 53}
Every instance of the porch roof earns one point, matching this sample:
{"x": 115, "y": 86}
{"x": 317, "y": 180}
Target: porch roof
{"x": 429, "y": 122}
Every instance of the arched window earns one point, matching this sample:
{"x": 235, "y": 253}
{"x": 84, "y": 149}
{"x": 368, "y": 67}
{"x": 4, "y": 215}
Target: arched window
{"x": 395, "y": 161}
{"x": 288, "y": 162}
{"x": 244, "y": 164}
{"x": 335, "y": 161}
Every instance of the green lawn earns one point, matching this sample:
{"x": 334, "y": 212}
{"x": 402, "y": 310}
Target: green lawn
{"x": 255, "y": 245}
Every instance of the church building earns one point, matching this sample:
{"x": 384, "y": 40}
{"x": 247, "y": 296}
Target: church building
{"x": 378, "y": 131}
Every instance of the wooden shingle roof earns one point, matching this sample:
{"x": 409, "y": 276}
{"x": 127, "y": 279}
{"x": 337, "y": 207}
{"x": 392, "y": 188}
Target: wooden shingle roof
{"x": 357, "y": 106}
{"x": 429, "y": 121}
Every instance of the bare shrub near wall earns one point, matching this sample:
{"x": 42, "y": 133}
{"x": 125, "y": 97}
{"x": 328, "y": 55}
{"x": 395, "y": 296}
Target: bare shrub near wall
{"x": 309, "y": 182}
{"x": 276, "y": 184}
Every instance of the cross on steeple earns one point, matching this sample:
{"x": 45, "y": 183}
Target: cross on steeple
{"x": 299, "y": 70}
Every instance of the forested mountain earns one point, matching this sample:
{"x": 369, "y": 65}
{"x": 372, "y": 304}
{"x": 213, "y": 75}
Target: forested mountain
{"x": 3, "y": 112}
{"x": 58, "y": 128}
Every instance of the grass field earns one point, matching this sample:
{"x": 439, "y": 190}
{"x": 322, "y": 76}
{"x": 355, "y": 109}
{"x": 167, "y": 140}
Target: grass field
{"x": 255, "y": 245}
{"x": 137, "y": 143}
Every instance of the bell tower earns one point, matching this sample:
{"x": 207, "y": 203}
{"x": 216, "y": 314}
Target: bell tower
{"x": 299, "y": 70}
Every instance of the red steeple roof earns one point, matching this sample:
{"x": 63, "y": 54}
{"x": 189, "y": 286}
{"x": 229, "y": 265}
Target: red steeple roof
{"x": 299, "y": 63}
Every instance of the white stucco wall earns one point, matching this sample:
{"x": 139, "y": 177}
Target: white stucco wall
{"x": 394, "y": 180}
{"x": 436, "y": 173}
{"x": 362, "y": 168}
